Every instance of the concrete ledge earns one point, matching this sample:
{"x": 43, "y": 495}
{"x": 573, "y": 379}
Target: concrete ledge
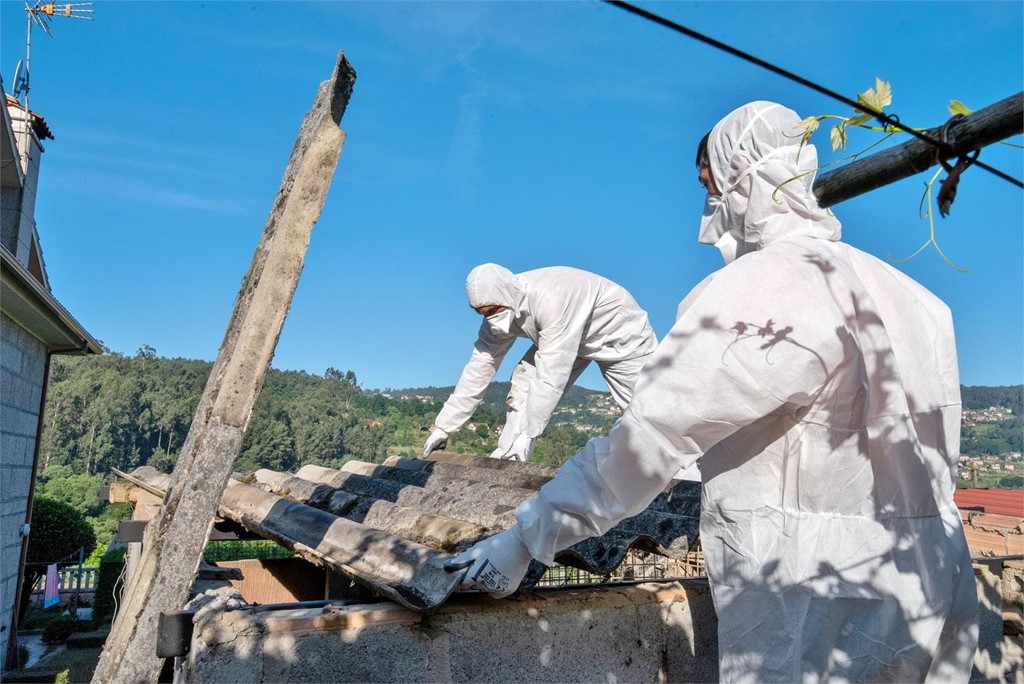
{"x": 642, "y": 633}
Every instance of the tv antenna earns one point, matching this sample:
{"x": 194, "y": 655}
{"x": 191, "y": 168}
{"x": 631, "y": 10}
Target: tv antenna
{"x": 41, "y": 14}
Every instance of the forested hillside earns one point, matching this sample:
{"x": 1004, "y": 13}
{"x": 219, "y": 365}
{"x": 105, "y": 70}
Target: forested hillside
{"x": 494, "y": 397}
{"x": 985, "y": 432}
{"x": 117, "y": 411}
{"x": 126, "y": 411}
{"x": 978, "y": 398}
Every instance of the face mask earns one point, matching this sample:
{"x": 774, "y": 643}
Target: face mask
{"x": 500, "y": 323}
{"x": 714, "y": 229}
{"x": 714, "y": 221}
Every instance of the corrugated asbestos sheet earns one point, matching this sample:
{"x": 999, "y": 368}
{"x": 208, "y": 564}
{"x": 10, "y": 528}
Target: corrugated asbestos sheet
{"x": 391, "y": 527}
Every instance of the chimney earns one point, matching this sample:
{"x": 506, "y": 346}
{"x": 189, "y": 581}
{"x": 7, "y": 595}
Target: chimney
{"x": 23, "y": 133}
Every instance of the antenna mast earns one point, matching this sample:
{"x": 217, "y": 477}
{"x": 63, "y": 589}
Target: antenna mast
{"x": 41, "y": 14}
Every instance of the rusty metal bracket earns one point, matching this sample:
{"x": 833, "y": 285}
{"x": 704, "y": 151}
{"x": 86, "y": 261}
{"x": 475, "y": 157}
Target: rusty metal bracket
{"x": 947, "y": 190}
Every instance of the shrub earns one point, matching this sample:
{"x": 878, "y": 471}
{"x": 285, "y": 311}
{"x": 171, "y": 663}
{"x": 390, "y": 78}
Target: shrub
{"x": 58, "y": 631}
{"x": 108, "y": 585}
{"x": 244, "y": 550}
{"x": 39, "y": 618}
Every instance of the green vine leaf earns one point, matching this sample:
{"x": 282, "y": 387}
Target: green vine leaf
{"x": 838, "y": 137}
{"x": 877, "y": 98}
{"x": 858, "y": 120}
{"x": 808, "y": 126}
{"x": 958, "y": 107}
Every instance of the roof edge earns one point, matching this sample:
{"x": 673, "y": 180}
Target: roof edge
{"x": 26, "y": 301}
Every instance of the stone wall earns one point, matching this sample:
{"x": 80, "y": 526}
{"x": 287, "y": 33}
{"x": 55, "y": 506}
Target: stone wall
{"x": 1000, "y": 656}
{"x": 643, "y": 633}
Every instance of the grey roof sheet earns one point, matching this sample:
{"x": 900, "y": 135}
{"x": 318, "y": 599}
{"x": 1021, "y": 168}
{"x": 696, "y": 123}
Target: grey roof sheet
{"x": 391, "y": 527}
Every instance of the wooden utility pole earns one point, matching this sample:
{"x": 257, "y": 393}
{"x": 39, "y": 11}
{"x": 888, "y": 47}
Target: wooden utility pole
{"x": 175, "y": 540}
{"x": 983, "y": 127}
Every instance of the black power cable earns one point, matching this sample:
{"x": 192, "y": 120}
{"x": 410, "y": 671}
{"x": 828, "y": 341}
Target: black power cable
{"x": 883, "y": 118}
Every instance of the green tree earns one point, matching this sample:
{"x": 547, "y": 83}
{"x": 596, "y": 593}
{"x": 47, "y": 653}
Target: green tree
{"x": 319, "y": 417}
{"x": 108, "y": 585}
{"x": 1011, "y": 397}
{"x": 162, "y": 461}
{"x": 558, "y": 444}
{"x": 78, "y": 490}
{"x": 105, "y": 527}
{"x": 58, "y": 531}
{"x": 267, "y": 444}
{"x": 110, "y": 419}
{"x": 368, "y": 441}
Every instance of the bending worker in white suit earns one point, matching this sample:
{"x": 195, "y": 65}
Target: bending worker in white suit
{"x": 572, "y": 317}
{"x": 819, "y": 388}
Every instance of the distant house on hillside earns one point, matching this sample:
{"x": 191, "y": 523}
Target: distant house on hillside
{"x": 33, "y": 326}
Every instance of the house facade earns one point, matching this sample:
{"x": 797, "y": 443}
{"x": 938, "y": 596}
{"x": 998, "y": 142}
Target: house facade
{"x": 33, "y": 327}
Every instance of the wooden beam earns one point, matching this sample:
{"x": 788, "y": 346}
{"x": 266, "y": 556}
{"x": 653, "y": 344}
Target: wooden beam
{"x": 980, "y": 129}
{"x": 175, "y": 541}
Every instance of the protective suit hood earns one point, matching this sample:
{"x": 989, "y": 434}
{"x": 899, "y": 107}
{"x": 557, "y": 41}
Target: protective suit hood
{"x": 489, "y": 284}
{"x": 766, "y": 180}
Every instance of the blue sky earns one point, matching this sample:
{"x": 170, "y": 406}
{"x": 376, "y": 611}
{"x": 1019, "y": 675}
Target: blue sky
{"x": 528, "y": 134}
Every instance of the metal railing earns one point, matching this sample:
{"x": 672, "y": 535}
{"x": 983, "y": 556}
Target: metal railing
{"x": 637, "y": 566}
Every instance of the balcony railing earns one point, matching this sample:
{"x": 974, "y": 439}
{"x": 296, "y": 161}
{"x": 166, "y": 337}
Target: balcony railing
{"x": 68, "y": 578}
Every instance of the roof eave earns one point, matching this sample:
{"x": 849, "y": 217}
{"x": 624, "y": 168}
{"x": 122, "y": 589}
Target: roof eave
{"x": 29, "y": 304}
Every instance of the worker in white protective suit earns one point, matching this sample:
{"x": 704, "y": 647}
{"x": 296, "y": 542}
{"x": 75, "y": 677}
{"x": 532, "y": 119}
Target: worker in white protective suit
{"x": 572, "y": 317}
{"x": 819, "y": 388}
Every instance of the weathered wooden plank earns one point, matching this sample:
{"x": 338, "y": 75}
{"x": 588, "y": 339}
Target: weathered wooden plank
{"x": 983, "y": 127}
{"x": 175, "y": 542}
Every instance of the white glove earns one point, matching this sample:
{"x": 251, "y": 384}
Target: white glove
{"x": 496, "y": 565}
{"x": 521, "y": 449}
{"x": 438, "y": 440}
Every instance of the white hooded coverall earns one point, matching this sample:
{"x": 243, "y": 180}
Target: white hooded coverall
{"x": 819, "y": 387}
{"x": 572, "y": 317}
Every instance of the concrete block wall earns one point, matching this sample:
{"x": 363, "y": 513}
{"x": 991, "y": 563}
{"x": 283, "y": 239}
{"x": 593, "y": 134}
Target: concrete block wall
{"x": 643, "y": 633}
{"x": 10, "y": 218}
{"x": 22, "y": 368}
{"x": 18, "y": 204}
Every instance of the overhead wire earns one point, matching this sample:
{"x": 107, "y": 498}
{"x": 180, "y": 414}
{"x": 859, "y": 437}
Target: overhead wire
{"x": 889, "y": 120}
